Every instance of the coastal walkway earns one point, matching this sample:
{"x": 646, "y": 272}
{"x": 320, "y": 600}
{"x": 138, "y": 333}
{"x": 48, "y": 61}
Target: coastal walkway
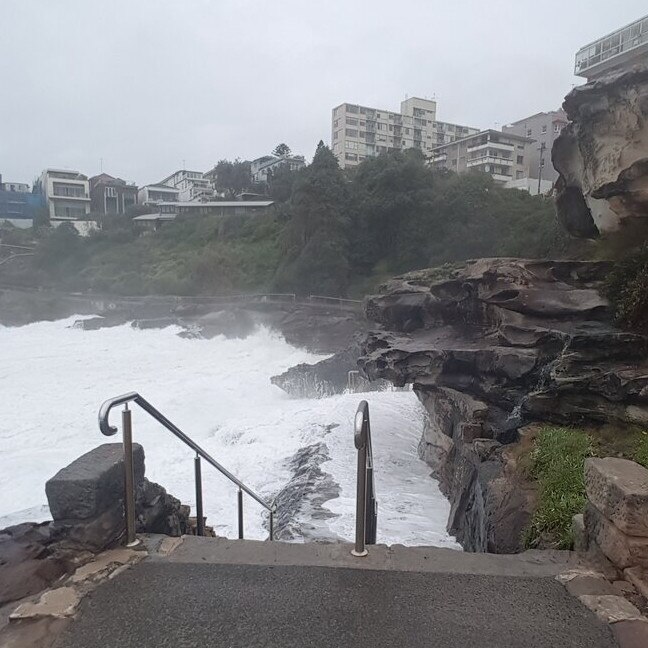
{"x": 243, "y": 593}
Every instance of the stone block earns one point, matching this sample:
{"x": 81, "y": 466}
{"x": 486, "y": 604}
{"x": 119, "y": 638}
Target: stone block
{"x": 92, "y": 483}
{"x": 579, "y": 533}
{"x": 623, "y": 550}
{"x": 618, "y": 488}
{"x": 94, "y": 533}
{"x": 631, "y": 634}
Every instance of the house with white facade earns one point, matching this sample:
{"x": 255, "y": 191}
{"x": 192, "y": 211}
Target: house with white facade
{"x": 66, "y": 194}
{"x": 153, "y": 194}
{"x": 262, "y": 168}
{"x": 190, "y": 185}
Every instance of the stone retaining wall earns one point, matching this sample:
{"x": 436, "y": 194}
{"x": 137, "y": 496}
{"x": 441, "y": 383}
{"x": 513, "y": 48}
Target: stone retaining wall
{"x": 615, "y": 522}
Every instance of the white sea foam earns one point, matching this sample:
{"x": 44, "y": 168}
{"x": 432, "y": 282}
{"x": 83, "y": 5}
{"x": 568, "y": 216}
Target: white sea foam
{"x": 53, "y": 377}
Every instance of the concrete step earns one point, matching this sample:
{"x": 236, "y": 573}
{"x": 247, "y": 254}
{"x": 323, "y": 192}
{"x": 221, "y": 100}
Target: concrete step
{"x": 243, "y": 594}
{"x": 192, "y": 549}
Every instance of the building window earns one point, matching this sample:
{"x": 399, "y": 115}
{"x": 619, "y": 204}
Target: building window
{"x": 350, "y": 156}
{"x": 520, "y": 159}
{"x": 351, "y": 132}
{"x": 529, "y": 132}
{"x": 111, "y": 192}
{"x": 544, "y": 129}
{"x": 352, "y": 109}
{"x": 335, "y": 123}
{"x": 519, "y": 175}
{"x": 351, "y": 121}
{"x": 335, "y": 135}
{"x": 556, "y": 128}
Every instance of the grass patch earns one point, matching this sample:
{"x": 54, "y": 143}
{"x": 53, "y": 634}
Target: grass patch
{"x": 557, "y": 463}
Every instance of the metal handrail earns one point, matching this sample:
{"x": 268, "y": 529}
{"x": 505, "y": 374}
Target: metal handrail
{"x": 109, "y": 430}
{"x": 366, "y": 504}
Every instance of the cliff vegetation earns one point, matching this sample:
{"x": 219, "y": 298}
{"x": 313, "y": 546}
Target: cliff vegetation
{"x": 332, "y": 232}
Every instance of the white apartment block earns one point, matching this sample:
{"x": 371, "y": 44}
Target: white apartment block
{"x": 262, "y": 168}
{"x": 156, "y": 193}
{"x": 545, "y": 128}
{"x": 190, "y": 185}
{"x": 358, "y": 132}
{"x": 504, "y": 156}
{"x": 66, "y": 194}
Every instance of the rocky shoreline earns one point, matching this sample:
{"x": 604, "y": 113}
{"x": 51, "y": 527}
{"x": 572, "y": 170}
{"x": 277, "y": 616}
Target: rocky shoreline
{"x": 493, "y": 347}
{"x": 320, "y": 326}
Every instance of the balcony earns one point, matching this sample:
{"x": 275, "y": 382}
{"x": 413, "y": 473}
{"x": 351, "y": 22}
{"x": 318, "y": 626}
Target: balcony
{"x": 489, "y": 159}
{"x": 440, "y": 157}
{"x": 620, "y": 48}
{"x": 498, "y": 177}
{"x": 66, "y": 197}
{"x": 500, "y": 146}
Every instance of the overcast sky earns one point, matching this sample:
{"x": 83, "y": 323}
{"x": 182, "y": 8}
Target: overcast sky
{"x": 151, "y": 86}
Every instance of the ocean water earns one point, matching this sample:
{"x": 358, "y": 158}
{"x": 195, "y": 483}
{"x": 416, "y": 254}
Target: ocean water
{"x": 54, "y": 377}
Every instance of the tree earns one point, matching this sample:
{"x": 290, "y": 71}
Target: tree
{"x": 281, "y": 150}
{"x": 233, "y": 177}
{"x": 315, "y": 238}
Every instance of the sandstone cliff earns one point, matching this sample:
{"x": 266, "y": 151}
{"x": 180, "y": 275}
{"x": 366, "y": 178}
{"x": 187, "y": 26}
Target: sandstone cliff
{"x": 490, "y": 347}
{"x": 602, "y": 155}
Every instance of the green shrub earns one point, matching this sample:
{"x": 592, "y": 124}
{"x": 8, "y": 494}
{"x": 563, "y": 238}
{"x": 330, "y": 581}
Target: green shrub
{"x": 627, "y": 290}
{"x": 557, "y": 463}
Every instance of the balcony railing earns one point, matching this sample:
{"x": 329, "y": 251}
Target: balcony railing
{"x": 489, "y": 159}
{"x": 608, "y": 51}
{"x": 494, "y": 145}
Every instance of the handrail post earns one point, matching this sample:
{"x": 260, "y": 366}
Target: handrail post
{"x": 240, "y": 514}
{"x": 129, "y": 477}
{"x": 360, "y": 441}
{"x": 200, "y": 520}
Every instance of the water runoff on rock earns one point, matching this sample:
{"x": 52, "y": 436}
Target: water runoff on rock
{"x": 54, "y": 376}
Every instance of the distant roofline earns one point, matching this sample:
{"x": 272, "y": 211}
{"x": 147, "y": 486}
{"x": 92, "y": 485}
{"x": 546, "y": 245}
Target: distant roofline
{"x": 179, "y": 171}
{"x": 218, "y": 203}
{"x": 538, "y": 114}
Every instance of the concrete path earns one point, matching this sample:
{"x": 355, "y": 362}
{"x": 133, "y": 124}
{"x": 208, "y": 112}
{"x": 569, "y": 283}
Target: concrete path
{"x": 204, "y": 594}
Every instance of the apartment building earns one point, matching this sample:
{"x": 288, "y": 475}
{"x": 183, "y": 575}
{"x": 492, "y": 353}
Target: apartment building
{"x": 262, "y": 168}
{"x": 18, "y": 205}
{"x": 17, "y": 187}
{"x": 502, "y": 155}
{"x": 358, "y": 132}
{"x": 617, "y": 51}
{"x": 544, "y": 127}
{"x": 156, "y": 193}
{"x": 66, "y": 194}
{"x": 109, "y": 195}
{"x": 190, "y": 185}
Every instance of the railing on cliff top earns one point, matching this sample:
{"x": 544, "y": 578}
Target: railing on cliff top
{"x": 259, "y": 298}
{"x": 129, "y": 499}
{"x": 366, "y": 504}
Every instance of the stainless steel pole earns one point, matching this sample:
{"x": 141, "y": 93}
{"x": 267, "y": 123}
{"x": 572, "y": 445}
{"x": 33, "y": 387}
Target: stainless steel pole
{"x": 129, "y": 478}
{"x": 240, "y": 514}
{"x": 200, "y": 520}
{"x": 360, "y": 440}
